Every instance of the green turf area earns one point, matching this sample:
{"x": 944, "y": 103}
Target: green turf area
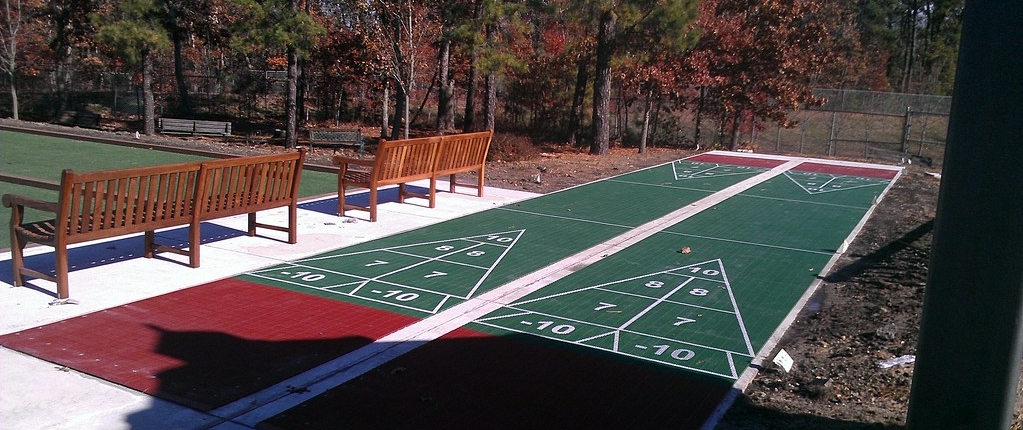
{"x": 44, "y": 157}
{"x": 749, "y": 259}
{"x": 423, "y": 271}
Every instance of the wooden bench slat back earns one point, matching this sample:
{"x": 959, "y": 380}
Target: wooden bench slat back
{"x": 459, "y": 152}
{"x": 102, "y": 204}
{"x": 233, "y": 186}
{"x": 193, "y": 126}
{"x": 335, "y": 136}
{"x": 400, "y": 161}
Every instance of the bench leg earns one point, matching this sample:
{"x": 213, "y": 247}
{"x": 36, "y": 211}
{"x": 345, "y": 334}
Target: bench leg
{"x": 17, "y": 259}
{"x": 373, "y": 203}
{"x": 293, "y": 223}
{"x": 433, "y": 192}
{"x": 252, "y": 224}
{"x": 479, "y": 183}
{"x": 60, "y": 254}
{"x": 194, "y": 238}
{"x": 340, "y": 196}
{"x": 150, "y": 244}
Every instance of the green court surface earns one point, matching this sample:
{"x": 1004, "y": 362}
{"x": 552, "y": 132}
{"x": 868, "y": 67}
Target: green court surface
{"x": 750, "y": 258}
{"x": 425, "y": 271}
{"x": 704, "y": 293}
{"x": 692, "y": 268}
{"x": 44, "y": 157}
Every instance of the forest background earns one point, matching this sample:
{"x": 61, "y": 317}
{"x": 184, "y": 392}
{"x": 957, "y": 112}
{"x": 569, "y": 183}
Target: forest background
{"x": 590, "y": 73}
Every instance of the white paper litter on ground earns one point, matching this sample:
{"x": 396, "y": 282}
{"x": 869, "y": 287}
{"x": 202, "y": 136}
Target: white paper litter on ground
{"x": 784, "y": 360}
{"x": 905, "y": 359}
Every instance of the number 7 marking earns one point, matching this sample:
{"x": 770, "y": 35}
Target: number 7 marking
{"x": 603, "y": 306}
{"x": 683, "y": 320}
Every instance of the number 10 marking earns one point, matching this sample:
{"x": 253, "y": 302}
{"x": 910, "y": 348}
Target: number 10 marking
{"x": 678, "y": 354}
{"x": 558, "y": 329}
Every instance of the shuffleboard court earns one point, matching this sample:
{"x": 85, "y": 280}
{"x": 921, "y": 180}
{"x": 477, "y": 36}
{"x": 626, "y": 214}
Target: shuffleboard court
{"x": 428, "y": 270}
{"x": 641, "y": 300}
{"x": 703, "y": 296}
{"x": 709, "y": 309}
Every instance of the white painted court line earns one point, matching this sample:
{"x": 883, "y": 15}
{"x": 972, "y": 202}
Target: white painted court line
{"x": 655, "y": 300}
{"x": 287, "y": 394}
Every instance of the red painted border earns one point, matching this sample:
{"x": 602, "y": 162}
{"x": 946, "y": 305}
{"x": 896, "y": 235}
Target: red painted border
{"x": 837, "y": 169}
{"x": 208, "y": 345}
{"x": 736, "y": 160}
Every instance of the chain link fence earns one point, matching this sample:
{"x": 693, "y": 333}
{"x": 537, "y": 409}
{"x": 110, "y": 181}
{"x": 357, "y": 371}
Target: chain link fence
{"x": 864, "y": 125}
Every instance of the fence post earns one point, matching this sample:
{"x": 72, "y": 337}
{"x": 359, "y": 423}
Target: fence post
{"x": 907, "y": 123}
{"x": 831, "y": 136}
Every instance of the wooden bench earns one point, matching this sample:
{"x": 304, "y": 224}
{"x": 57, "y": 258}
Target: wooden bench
{"x": 336, "y": 138}
{"x": 463, "y": 153}
{"x": 396, "y": 162}
{"x": 105, "y": 204}
{"x": 402, "y": 161}
{"x": 193, "y": 127}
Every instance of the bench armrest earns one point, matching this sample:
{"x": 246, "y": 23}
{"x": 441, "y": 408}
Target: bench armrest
{"x": 12, "y": 200}
{"x": 340, "y": 160}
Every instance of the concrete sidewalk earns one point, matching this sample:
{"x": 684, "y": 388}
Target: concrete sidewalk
{"x": 36, "y": 394}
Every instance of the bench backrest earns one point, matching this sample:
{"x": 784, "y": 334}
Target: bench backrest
{"x": 459, "y": 152}
{"x": 399, "y": 161}
{"x": 336, "y": 136}
{"x": 193, "y": 126}
{"x": 102, "y": 204}
{"x": 239, "y": 185}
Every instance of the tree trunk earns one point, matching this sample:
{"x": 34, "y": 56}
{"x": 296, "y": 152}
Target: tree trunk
{"x": 733, "y": 140}
{"x": 300, "y": 110}
{"x": 406, "y": 118}
{"x": 63, "y": 81}
{"x": 469, "y": 123}
{"x": 490, "y": 108}
{"x": 909, "y": 53}
{"x": 401, "y": 109}
{"x": 648, "y": 105}
{"x": 14, "y": 97}
{"x": 148, "y": 101}
{"x": 490, "y": 87}
{"x": 582, "y": 76}
{"x": 602, "y": 86}
{"x": 471, "y": 86}
{"x": 445, "y": 105}
{"x": 384, "y": 114}
{"x": 184, "y": 100}
{"x": 291, "y": 105}
{"x": 699, "y": 116}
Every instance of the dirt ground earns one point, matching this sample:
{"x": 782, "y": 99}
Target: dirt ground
{"x": 866, "y": 311}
